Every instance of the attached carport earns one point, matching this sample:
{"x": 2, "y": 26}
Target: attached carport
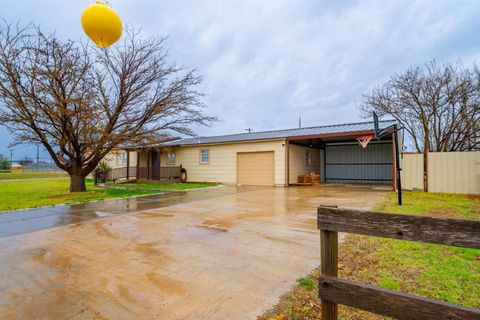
{"x": 344, "y": 160}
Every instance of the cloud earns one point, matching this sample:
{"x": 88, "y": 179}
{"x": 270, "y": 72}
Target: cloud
{"x": 267, "y": 62}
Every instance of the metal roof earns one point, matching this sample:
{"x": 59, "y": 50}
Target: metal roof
{"x": 278, "y": 134}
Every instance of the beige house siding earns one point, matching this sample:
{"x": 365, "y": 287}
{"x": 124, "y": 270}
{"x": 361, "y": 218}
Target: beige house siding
{"x": 223, "y": 160}
{"x": 450, "y": 172}
{"x": 111, "y": 159}
{"x": 297, "y": 155}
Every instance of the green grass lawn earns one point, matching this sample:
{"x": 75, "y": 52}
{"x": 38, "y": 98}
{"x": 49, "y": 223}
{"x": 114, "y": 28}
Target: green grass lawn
{"x": 432, "y": 204}
{"x": 445, "y": 273}
{"x": 173, "y": 186}
{"x": 36, "y": 193}
{"x": 31, "y": 175}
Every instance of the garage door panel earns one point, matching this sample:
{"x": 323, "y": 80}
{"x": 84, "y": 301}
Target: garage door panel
{"x": 351, "y": 163}
{"x": 255, "y": 168}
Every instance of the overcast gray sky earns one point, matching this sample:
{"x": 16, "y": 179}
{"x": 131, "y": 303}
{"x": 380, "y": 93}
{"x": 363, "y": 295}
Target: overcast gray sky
{"x": 265, "y": 62}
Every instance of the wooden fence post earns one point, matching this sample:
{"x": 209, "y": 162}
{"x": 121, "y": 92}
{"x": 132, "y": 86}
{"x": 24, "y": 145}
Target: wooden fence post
{"x": 329, "y": 266}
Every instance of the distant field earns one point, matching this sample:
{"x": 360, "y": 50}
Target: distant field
{"x": 31, "y": 175}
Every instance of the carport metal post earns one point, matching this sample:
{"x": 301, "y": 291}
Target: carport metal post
{"x": 381, "y": 133}
{"x": 397, "y": 164}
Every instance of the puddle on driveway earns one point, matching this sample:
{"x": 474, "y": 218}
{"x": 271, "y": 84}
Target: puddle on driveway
{"x": 104, "y": 214}
{"x": 191, "y": 234}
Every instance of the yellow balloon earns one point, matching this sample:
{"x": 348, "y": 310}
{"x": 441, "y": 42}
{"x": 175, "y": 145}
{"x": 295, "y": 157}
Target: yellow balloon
{"x": 102, "y": 24}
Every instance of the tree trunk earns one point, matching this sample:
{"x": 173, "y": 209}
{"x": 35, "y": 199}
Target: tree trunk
{"x": 77, "y": 183}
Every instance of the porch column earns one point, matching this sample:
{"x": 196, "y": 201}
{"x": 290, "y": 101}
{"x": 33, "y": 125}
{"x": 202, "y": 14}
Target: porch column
{"x": 148, "y": 165}
{"x": 138, "y": 164}
{"x": 128, "y": 164}
{"x": 158, "y": 163}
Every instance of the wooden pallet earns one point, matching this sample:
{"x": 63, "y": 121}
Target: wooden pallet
{"x": 304, "y": 179}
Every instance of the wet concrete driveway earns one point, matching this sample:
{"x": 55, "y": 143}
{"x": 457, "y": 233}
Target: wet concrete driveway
{"x": 226, "y": 254}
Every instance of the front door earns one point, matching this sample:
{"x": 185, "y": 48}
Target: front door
{"x": 155, "y": 165}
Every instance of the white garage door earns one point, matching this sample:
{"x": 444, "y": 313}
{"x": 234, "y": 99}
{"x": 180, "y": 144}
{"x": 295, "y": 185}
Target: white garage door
{"x": 255, "y": 168}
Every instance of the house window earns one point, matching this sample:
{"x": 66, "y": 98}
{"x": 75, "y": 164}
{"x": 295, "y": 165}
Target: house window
{"x": 204, "y": 156}
{"x": 121, "y": 158}
{"x": 171, "y": 158}
{"x": 308, "y": 157}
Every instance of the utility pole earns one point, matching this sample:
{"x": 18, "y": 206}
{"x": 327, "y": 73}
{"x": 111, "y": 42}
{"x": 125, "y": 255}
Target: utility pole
{"x": 299, "y": 122}
{"x": 249, "y": 130}
{"x": 38, "y": 153}
{"x": 11, "y": 157}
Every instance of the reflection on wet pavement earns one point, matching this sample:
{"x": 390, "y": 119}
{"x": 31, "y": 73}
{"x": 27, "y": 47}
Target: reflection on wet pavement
{"x": 191, "y": 234}
{"x": 18, "y": 222}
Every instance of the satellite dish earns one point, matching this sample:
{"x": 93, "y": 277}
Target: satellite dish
{"x": 102, "y": 24}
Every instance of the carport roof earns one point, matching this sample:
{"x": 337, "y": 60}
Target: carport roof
{"x": 278, "y": 134}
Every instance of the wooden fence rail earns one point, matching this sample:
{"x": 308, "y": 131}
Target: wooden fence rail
{"x": 121, "y": 173}
{"x": 333, "y": 291}
{"x": 144, "y": 173}
{"x": 157, "y": 173}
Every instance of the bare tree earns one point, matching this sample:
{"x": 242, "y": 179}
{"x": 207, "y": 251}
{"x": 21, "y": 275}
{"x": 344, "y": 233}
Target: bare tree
{"x": 439, "y": 107}
{"x": 80, "y": 101}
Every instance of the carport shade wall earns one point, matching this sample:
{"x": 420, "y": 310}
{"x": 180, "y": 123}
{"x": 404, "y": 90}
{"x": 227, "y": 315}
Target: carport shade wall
{"x": 335, "y": 135}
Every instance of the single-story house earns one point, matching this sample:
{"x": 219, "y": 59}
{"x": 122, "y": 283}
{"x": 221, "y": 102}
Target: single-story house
{"x": 273, "y": 158}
